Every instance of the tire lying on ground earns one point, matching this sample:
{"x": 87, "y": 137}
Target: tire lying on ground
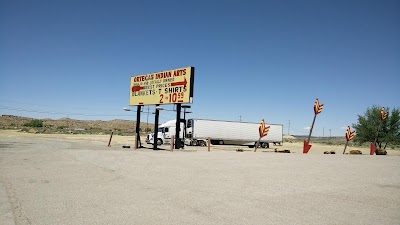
{"x": 381, "y": 152}
{"x": 355, "y": 152}
{"x": 329, "y": 152}
{"x": 277, "y": 150}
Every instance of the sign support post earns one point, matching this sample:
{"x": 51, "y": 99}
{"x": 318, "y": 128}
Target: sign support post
{"x": 137, "y": 141}
{"x": 155, "y": 138}
{"x": 178, "y": 126}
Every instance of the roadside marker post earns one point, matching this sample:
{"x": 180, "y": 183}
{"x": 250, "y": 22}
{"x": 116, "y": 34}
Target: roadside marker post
{"x": 209, "y": 143}
{"x": 172, "y": 143}
{"x": 109, "y": 141}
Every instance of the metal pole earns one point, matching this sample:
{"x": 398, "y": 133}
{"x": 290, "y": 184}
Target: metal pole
{"x": 345, "y": 147}
{"x": 178, "y": 126}
{"x": 184, "y": 129}
{"x": 257, "y": 144}
{"x": 312, "y": 126}
{"x": 138, "y": 143}
{"x": 157, "y": 113}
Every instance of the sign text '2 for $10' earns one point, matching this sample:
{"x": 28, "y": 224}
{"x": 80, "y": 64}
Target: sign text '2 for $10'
{"x": 165, "y": 87}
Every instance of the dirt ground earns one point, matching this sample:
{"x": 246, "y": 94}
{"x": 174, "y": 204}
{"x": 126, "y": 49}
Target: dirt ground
{"x": 119, "y": 141}
{"x": 77, "y": 179}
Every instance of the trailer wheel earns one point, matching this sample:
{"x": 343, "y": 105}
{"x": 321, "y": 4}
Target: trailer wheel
{"x": 265, "y": 145}
{"x": 159, "y": 142}
{"x": 202, "y": 143}
{"x": 221, "y": 142}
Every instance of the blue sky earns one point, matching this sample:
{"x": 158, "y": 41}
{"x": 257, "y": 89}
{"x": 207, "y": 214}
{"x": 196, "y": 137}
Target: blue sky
{"x": 254, "y": 59}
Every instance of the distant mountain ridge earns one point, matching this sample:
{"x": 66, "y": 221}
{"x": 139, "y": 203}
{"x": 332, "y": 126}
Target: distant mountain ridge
{"x": 124, "y": 126}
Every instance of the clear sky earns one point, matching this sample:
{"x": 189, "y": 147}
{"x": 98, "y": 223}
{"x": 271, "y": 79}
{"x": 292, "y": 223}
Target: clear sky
{"x": 254, "y": 59}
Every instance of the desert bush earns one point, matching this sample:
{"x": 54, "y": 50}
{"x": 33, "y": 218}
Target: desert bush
{"x": 34, "y": 123}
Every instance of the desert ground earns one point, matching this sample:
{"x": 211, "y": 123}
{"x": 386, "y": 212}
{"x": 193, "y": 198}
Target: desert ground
{"x": 77, "y": 179}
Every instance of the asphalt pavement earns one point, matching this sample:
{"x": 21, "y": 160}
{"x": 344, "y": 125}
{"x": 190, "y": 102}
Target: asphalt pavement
{"x": 51, "y": 181}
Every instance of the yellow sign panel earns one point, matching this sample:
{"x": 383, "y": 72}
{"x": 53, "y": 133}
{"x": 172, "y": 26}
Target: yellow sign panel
{"x": 165, "y": 87}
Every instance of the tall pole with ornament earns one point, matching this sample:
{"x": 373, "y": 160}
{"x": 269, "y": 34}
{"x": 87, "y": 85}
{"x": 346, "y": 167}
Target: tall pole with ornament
{"x": 383, "y": 116}
{"x": 349, "y": 136}
{"x": 263, "y": 131}
{"x": 317, "y": 110}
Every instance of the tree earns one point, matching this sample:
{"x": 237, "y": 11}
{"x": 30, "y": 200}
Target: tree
{"x": 368, "y": 124}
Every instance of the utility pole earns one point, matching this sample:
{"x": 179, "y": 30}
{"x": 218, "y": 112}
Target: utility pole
{"x": 323, "y": 132}
{"x": 240, "y": 118}
{"x": 330, "y": 133}
{"x": 288, "y": 131}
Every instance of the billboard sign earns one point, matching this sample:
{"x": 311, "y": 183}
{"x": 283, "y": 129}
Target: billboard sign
{"x": 165, "y": 87}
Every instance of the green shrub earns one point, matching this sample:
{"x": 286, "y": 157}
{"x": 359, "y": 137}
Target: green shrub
{"x": 34, "y": 123}
{"x": 62, "y": 127}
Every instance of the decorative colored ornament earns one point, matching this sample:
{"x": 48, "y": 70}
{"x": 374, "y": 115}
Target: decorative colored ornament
{"x": 263, "y": 131}
{"x": 318, "y": 107}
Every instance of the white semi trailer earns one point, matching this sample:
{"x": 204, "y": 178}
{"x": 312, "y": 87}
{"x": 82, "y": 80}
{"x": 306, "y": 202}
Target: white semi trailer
{"x": 231, "y": 133}
{"x": 220, "y": 132}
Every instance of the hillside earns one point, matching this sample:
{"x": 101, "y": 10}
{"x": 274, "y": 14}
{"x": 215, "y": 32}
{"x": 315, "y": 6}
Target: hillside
{"x": 68, "y": 125}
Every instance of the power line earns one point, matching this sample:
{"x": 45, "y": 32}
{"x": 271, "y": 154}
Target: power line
{"x": 59, "y": 113}
{"x": 304, "y": 132}
{"x": 52, "y": 106}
